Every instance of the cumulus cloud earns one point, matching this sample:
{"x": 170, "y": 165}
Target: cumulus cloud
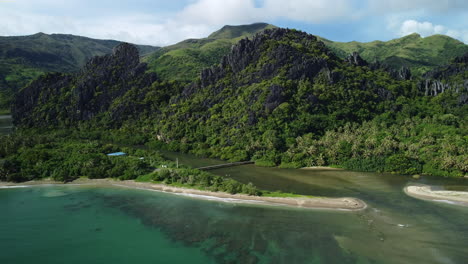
{"x": 422, "y": 28}
{"x": 317, "y": 11}
{"x": 216, "y": 12}
{"x": 427, "y": 29}
{"x": 240, "y": 11}
{"x": 437, "y": 6}
{"x": 162, "y": 22}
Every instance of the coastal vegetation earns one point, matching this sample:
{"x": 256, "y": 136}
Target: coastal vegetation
{"x": 66, "y": 155}
{"x": 193, "y": 178}
{"x": 282, "y": 98}
{"x": 347, "y": 115}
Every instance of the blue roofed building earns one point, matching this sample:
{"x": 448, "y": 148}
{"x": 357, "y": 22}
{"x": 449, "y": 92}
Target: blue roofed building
{"x": 117, "y": 154}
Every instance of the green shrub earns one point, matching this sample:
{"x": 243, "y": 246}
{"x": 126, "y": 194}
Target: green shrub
{"x": 399, "y": 163}
{"x": 365, "y": 164}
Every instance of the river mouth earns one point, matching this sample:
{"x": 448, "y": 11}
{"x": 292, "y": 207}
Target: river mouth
{"x": 395, "y": 228}
{"x": 402, "y": 225}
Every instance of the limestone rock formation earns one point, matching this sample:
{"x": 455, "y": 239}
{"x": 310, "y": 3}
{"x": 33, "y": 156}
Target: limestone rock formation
{"x": 81, "y": 96}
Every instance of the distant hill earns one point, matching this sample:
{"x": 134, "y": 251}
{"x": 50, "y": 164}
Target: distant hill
{"x": 418, "y": 54}
{"x": 24, "y": 58}
{"x": 184, "y": 60}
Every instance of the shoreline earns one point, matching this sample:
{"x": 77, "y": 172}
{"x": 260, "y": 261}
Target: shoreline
{"x": 320, "y": 168}
{"x": 426, "y": 192}
{"x": 326, "y": 203}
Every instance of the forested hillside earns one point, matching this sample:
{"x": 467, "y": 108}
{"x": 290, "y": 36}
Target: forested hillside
{"x": 280, "y": 98}
{"x": 24, "y": 58}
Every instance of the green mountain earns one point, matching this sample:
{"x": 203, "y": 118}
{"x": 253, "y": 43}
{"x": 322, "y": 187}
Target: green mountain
{"x": 184, "y": 60}
{"x": 418, "y": 54}
{"x": 280, "y": 98}
{"x": 24, "y": 58}
{"x": 233, "y": 32}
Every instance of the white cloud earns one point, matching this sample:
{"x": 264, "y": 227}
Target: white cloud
{"x": 242, "y": 11}
{"x": 136, "y": 28}
{"x": 216, "y": 12}
{"x": 317, "y": 11}
{"x": 197, "y": 19}
{"x": 422, "y": 28}
{"x": 161, "y": 22}
{"x": 427, "y": 29}
{"x": 437, "y": 6}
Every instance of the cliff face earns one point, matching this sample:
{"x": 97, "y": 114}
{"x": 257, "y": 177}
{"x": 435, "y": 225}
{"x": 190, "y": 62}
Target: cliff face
{"x": 70, "y": 98}
{"x": 25, "y": 58}
{"x": 452, "y": 77}
{"x": 267, "y": 55}
{"x": 299, "y": 64}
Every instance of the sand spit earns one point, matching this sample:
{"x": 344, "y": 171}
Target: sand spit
{"x": 345, "y": 204}
{"x": 426, "y": 192}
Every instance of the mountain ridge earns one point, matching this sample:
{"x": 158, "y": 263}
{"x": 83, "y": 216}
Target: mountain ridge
{"x": 184, "y": 60}
{"x": 24, "y": 58}
{"x": 412, "y": 51}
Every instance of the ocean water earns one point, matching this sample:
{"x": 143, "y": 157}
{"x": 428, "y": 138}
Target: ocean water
{"x": 72, "y": 224}
{"x": 85, "y": 224}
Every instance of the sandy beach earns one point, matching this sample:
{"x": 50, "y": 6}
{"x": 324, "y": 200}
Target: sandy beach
{"x": 345, "y": 203}
{"x": 426, "y": 192}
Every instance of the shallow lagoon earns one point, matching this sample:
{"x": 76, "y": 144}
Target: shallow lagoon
{"x": 76, "y": 224}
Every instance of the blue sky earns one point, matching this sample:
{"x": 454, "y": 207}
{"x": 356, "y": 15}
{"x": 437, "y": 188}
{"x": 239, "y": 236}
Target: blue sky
{"x": 158, "y": 22}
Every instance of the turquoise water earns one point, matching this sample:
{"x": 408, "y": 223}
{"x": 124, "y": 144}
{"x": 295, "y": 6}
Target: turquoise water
{"x": 83, "y": 224}
{"x": 71, "y": 224}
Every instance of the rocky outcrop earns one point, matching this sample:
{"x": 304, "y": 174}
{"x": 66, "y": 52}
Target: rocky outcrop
{"x": 275, "y": 97}
{"x": 355, "y": 59}
{"x": 404, "y": 73}
{"x": 39, "y": 93}
{"x": 108, "y": 77}
{"x": 462, "y": 59}
{"x": 247, "y": 52}
{"x": 66, "y": 99}
{"x": 451, "y": 77}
